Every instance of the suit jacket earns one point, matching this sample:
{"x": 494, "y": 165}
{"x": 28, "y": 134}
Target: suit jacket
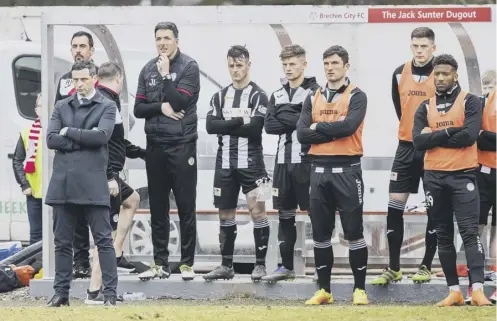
{"x": 80, "y": 162}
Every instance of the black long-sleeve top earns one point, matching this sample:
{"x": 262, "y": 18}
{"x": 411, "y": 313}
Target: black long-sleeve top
{"x": 119, "y": 147}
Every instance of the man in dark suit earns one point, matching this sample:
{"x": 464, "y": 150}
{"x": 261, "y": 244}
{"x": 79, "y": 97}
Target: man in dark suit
{"x": 82, "y": 48}
{"x": 79, "y": 130}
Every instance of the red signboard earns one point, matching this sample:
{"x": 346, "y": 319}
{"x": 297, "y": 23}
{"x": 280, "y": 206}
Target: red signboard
{"x": 446, "y": 14}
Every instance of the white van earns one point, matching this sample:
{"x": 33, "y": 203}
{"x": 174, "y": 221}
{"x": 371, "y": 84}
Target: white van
{"x": 20, "y": 67}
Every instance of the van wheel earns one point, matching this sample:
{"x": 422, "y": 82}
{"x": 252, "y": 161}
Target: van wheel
{"x": 141, "y": 238}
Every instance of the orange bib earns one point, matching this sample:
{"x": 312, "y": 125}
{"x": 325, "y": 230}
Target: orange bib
{"x": 449, "y": 159}
{"x": 488, "y": 158}
{"x": 323, "y": 111}
{"x": 412, "y": 94}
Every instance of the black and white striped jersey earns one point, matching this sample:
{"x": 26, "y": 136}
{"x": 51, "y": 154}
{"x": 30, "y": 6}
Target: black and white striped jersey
{"x": 282, "y": 115}
{"x": 237, "y": 117}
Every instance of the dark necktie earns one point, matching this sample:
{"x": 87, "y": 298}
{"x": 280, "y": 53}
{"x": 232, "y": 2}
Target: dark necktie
{"x": 85, "y": 101}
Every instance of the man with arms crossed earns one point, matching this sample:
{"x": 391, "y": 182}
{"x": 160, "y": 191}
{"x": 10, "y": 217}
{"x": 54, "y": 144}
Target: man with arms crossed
{"x": 486, "y": 144}
{"x": 79, "y": 130}
{"x": 412, "y": 83}
{"x": 82, "y": 49}
{"x": 331, "y": 122}
{"x": 292, "y": 165}
{"x": 167, "y": 94}
{"x": 446, "y": 126}
{"x": 237, "y": 118}
{"x": 110, "y": 78}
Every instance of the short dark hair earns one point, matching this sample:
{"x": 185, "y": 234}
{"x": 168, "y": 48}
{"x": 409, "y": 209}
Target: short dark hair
{"x": 82, "y": 64}
{"x": 292, "y": 51}
{"x": 167, "y": 25}
{"x": 109, "y": 70}
{"x": 84, "y": 34}
{"x": 445, "y": 59}
{"x": 339, "y": 51}
{"x": 238, "y": 52}
{"x": 423, "y": 32}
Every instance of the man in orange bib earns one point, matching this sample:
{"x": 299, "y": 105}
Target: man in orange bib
{"x": 412, "y": 83}
{"x": 485, "y": 175}
{"x": 486, "y": 155}
{"x": 446, "y": 126}
{"x": 331, "y": 122}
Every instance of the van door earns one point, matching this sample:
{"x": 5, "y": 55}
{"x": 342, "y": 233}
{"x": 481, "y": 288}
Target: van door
{"x": 26, "y": 71}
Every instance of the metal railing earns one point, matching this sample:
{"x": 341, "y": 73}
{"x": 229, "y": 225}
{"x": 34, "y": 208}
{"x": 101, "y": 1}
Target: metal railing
{"x": 303, "y": 255}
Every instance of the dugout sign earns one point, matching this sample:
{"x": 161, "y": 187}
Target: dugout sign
{"x": 447, "y": 14}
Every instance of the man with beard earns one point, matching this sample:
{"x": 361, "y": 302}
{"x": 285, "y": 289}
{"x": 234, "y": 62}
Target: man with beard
{"x": 166, "y": 97}
{"x": 82, "y": 48}
{"x": 292, "y": 165}
{"x": 446, "y": 127}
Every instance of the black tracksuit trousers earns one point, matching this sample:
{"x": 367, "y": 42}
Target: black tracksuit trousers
{"x": 172, "y": 167}
{"x": 456, "y": 194}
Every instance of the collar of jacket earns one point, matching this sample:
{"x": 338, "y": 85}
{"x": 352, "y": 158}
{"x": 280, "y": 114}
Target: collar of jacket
{"x": 341, "y": 89}
{"x": 306, "y": 83}
{"x": 75, "y": 102}
{"x": 175, "y": 58}
{"x": 452, "y": 93}
{"x": 172, "y": 61}
{"x": 427, "y": 66}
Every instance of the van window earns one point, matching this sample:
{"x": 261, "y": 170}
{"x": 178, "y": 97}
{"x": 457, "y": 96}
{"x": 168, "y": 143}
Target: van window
{"x": 27, "y": 81}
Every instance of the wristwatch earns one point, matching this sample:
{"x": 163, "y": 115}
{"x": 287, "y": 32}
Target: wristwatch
{"x": 168, "y": 77}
